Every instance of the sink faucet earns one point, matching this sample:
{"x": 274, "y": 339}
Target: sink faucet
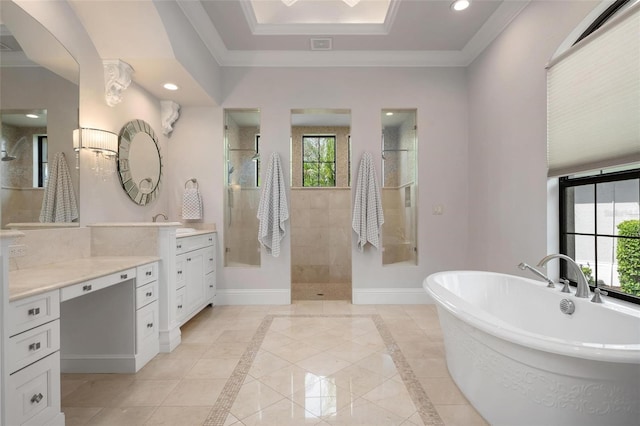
{"x": 524, "y": 266}
{"x": 155, "y": 218}
{"x": 583, "y": 286}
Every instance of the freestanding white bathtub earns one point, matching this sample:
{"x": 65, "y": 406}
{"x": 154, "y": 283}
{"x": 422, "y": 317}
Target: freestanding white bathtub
{"x": 520, "y": 361}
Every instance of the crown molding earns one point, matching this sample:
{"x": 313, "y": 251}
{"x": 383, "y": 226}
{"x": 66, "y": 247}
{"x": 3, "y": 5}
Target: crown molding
{"x": 198, "y": 17}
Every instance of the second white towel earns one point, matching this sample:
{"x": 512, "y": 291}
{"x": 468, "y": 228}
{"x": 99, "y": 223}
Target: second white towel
{"x": 273, "y": 210}
{"x": 368, "y": 216}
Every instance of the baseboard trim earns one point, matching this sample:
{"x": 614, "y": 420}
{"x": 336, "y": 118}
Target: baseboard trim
{"x": 391, "y": 296}
{"x": 253, "y": 297}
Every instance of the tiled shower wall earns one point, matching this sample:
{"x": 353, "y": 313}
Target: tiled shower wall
{"x": 321, "y": 237}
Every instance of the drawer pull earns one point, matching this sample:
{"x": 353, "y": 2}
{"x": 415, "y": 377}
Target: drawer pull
{"x": 211, "y": 259}
{"x": 149, "y": 294}
{"x": 150, "y": 325}
{"x": 123, "y": 276}
{"x": 148, "y": 273}
{"x": 35, "y": 399}
{"x": 86, "y": 287}
{"x": 179, "y": 272}
{"x": 179, "y": 246}
{"x": 33, "y": 312}
{"x": 188, "y": 259}
{"x": 34, "y": 346}
{"x": 179, "y": 306}
{"x": 210, "y": 239}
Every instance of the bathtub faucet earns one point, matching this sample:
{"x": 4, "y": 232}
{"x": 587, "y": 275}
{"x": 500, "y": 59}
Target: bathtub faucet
{"x": 524, "y": 266}
{"x": 583, "y": 286}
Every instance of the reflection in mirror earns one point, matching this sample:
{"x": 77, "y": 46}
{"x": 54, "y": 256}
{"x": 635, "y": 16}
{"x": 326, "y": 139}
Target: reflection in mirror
{"x": 320, "y": 204}
{"x": 242, "y": 180}
{"x": 139, "y": 162}
{"x": 399, "y": 143}
{"x": 39, "y": 78}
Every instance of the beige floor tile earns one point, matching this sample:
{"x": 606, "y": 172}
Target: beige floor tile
{"x": 195, "y": 392}
{"x": 166, "y": 368}
{"x": 252, "y": 398}
{"x": 289, "y": 380}
{"x": 323, "y": 364}
{"x": 227, "y": 350}
{"x": 265, "y": 363}
{"x": 352, "y": 351}
{"x": 126, "y": 416}
{"x": 460, "y": 415}
{"x": 323, "y": 341}
{"x": 97, "y": 393}
{"x": 178, "y": 416}
{"x": 275, "y": 339}
{"x": 294, "y": 352}
{"x": 422, "y": 348}
{"x": 231, "y": 420}
{"x": 67, "y": 386}
{"x": 380, "y": 363}
{"x": 283, "y": 413}
{"x": 364, "y": 413}
{"x": 357, "y": 380}
{"x": 392, "y": 396}
{"x": 414, "y": 420}
{"x": 235, "y": 336}
{"x": 79, "y": 416}
{"x": 323, "y": 397}
{"x": 429, "y": 367}
{"x": 212, "y": 368}
{"x": 442, "y": 391}
{"x": 146, "y": 393}
{"x": 188, "y": 350}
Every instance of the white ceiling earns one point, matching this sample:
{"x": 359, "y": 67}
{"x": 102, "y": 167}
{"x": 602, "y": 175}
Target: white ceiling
{"x": 162, "y": 44}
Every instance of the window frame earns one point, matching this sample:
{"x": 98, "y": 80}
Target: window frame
{"x": 334, "y": 162}
{"x": 567, "y": 182}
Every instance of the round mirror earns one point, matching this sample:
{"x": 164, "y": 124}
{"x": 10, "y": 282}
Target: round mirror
{"x": 139, "y": 162}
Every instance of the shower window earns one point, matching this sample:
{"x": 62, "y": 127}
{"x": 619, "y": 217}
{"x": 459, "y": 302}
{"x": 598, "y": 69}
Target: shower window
{"x": 318, "y": 160}
{"x": 600, "y": 229}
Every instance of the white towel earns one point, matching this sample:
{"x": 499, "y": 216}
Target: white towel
{"x": 272, "y": 210}
{"x": 59, "y": 201}
{"x": 192, "y": 204}
{"x": 367, "y": 209}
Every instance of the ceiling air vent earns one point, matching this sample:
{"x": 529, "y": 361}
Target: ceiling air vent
{"x": 320, "y": 44}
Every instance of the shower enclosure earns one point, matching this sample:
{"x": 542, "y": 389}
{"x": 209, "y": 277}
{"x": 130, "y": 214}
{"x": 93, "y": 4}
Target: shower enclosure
{"x": 242, "y": 183}
{"x": 399, "y": 159}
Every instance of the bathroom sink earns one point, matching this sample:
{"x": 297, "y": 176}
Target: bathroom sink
{"x": 185, "y": 230}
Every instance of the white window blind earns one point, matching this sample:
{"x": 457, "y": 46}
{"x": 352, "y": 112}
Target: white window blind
{"x": 593, "y": 99}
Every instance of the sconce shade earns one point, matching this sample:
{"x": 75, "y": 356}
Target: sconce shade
{"x": 96, "y": 140}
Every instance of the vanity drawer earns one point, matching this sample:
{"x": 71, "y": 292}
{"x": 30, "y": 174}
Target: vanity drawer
{"x": 96, "y": 284}
{"x": 210, "y": 281}
{"x": 147, "y": 325}
{"x": 32, "y": 345}
{"x": 185, "y": 244}
{"x": 209, "y": 261}
{"x": 33, "y": 395}
{"x": 33, "y": 311}
{"x": 146, "y": 273}
{"x": 146, "y": 294}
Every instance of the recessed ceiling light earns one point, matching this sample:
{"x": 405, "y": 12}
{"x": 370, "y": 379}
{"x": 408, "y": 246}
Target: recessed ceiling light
{"x": 170, "y": 86}
{"x": 32, "y": 115}
{"x": 389, "y": 113}
{"x": 459, "y": 5}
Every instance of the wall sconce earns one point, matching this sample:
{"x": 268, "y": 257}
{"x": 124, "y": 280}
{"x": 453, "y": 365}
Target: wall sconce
{"x": 105, "y": 146}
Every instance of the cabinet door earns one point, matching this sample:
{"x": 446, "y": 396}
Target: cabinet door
{"x": 146, "y": 326}
{"x": 195, "y": 279}
{"x": 181, "y": 270}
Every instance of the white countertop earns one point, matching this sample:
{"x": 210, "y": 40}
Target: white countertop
{"x": 31, "y": 281}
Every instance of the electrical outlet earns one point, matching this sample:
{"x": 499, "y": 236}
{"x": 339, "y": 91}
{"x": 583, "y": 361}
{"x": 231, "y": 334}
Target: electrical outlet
{"x": 438, "y": 209}
{"x": 18, "y": 250}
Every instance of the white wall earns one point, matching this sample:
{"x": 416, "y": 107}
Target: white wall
{"x": 438, "y": 94}
{"x": 507, "y": 136}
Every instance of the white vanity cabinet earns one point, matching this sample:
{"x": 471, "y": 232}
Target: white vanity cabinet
{"x": 33, "y": 359}
{"x": 195, "y": 275}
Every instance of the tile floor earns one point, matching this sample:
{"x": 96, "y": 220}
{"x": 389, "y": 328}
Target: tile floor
{"x": 308, "y": 363}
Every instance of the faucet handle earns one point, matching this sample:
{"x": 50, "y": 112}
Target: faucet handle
{"x": 596, "y": 295}
{"x": 565, "y": 285}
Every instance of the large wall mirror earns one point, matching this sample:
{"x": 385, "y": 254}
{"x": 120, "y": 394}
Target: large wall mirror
{"x": 320, "y": 204}
{"x": 139, "y": 162}
{"x": 242, "y": 181}
{"x": 39, "y": 111}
